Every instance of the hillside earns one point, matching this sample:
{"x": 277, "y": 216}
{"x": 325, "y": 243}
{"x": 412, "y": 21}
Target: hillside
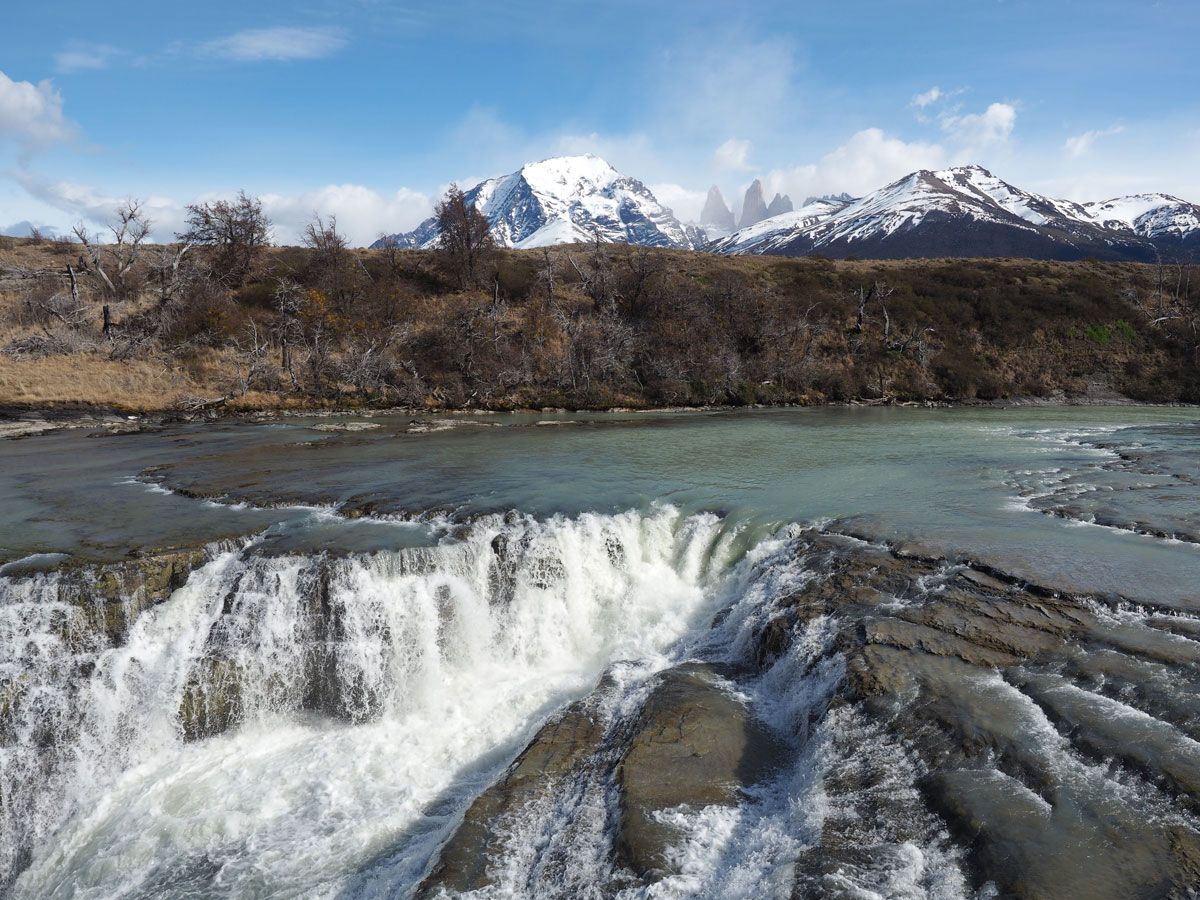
{"x": 592, "y": 326}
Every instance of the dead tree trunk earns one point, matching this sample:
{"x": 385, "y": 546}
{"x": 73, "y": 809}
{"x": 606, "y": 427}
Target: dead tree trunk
{"x": 74, "y": 286}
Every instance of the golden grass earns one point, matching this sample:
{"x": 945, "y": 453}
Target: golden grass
{"x": 92, "y": 378}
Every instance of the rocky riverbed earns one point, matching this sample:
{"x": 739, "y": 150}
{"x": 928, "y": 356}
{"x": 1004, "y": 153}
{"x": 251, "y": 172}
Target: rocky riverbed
{"x": 895, "y": 653}
{"x": 1038, "y": 743}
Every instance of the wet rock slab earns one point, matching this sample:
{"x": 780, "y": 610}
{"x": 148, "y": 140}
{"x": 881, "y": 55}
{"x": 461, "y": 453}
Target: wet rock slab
{"x": 1032, "y": 741}
{"x": 695, "y": 745}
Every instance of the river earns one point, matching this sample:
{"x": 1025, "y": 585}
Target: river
{"x": 898, "y": 652}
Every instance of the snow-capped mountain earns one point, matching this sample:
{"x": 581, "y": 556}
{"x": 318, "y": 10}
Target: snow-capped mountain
{"x": 1153, "y": 216}
{"x": 566, "y": 200}
{"x": 968, "y": 211}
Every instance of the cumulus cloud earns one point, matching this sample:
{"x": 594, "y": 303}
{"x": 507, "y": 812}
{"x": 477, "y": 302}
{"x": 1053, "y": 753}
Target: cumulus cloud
{"x": 732, "y": 155}
{"x": 979, "y": 131}
{"x": 1079, "y": 145}
{"x": 362, "y": 213}
{"x": 276, "y": 44}
{"x": 79, "y": 56}
{"x": 31, "y": 115}
{"x": 94, "y": 208}
{"x": 869, "y": 160}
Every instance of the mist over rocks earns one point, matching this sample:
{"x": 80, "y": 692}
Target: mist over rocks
{"x": 716, "y": 212}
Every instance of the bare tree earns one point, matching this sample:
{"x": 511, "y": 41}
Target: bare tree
{"x": 466, "y": 236}
{"x": 339, "y": 273}
{"x": 323, "y": 237}
{"x": 596, "y": 277}
{"x": 235, "y": 231}
{"x": 546, "y": 275}
{"x": 250, "y": 358}
{"x": 170, "y": 272}
{"x": 641, "y": 269}
{"x": 112, "y": 263}
{"x": 391, "y": 246}
{"x": 289, "y": 300}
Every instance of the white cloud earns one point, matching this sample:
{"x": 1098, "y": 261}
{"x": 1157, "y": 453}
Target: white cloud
{"x": 979, "y": 131}
{"x": 934, "y": 104}
{"x": 684, "y": 202}
{"x": 32, "y": 115}
{"x": 920, "y": 101}
{"x": 88, "y": 204}
{"x": 1079, "y": 145}
{"x": 869, "y": 160}
{"x": 80, "y": 56}
{"x": 276, "y": 44}
{"x": 732, "y": 155}
{"x": 362, "y": 213}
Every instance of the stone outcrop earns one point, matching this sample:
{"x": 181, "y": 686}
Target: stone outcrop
{"x": 716, "y": 212}
{"x": 555, "y": 755}
{"x": 754, "y": 207}
{"x": 1028, "y": 737}
{"x": 779, "y": 205}
{"x": 1005, "y": 695}
{"x": 695, "y": 745}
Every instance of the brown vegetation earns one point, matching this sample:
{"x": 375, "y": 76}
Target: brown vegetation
{"x": 575, "y": 326}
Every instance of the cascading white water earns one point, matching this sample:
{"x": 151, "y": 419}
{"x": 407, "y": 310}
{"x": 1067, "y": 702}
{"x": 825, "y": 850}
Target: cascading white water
{"x": 282, "y": 722}
{"x": 559, "y": 845}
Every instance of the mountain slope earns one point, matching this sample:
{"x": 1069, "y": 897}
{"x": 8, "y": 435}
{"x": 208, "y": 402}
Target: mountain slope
{"x": 569, "y": 199}
{"x": 968, "y": 211}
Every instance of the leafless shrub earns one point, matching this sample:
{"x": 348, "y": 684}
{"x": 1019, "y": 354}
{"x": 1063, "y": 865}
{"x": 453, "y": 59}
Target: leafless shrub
{"x": 56, "y": 342}
{"x": 112, "y": 264}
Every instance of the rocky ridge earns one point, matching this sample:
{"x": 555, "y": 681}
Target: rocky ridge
{"x": 967, "y": 211}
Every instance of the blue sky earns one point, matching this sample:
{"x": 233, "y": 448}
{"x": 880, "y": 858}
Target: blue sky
{"x": 367, "y": 109}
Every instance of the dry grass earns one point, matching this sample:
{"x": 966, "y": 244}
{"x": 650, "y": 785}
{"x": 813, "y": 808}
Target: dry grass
{"x": 93, "y": 378}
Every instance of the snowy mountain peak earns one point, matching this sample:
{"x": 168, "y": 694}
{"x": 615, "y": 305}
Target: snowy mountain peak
{"x": 568, "y": 175}
{"x": 566, "y": 200}
{"x": 1148, "y": 215}
{"x": 968, "y": 211}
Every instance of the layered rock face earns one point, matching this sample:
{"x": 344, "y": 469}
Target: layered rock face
{"x": 891, "y": 718}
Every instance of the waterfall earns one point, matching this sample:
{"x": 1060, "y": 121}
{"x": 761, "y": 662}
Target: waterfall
{"x": 285, "y": 708}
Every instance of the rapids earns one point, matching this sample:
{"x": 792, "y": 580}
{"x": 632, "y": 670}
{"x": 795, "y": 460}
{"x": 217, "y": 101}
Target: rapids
{"x": 789, "y": 654}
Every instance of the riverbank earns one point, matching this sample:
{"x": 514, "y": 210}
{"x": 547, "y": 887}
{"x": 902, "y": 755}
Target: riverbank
{"x": 593, "y": 328}
{"x": 27, "y": 421}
